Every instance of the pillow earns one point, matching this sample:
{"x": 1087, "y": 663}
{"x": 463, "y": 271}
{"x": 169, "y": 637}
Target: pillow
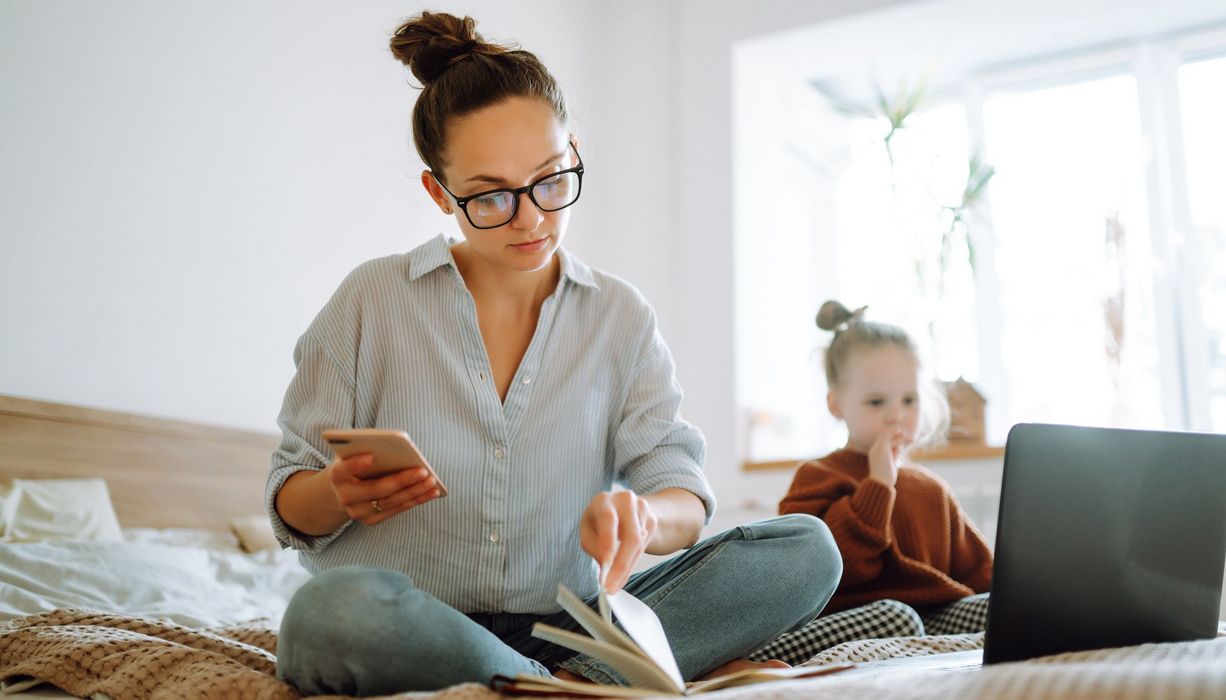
{"x": 33, "y": 510}
{"x": 254, "y": 533}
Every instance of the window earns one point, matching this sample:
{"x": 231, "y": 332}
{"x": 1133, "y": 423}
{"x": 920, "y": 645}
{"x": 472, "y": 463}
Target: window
{"x": 1075, "y": 307}
{"x": 1089, "y": 285}
{"x": 891, "y": 211}
{"x": 1202, "y": 93}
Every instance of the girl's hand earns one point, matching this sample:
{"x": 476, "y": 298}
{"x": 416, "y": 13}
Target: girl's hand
{"x": 883, "y": 456}
{"x": 615, "y": 530}
{"x": 373, "y": 500}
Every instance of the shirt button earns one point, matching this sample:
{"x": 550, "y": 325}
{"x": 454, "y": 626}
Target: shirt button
{"x": 481, "y": 375}
{"x": 499, "y": 453}
{"x": 493, "y": 537}
{"x": 527, "y": 380}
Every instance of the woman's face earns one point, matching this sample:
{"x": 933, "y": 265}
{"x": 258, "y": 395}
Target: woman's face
{"x": 507, "y": 145}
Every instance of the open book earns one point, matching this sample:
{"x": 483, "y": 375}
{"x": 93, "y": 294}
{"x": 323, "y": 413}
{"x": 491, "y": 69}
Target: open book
{"x": 641, "y": 654}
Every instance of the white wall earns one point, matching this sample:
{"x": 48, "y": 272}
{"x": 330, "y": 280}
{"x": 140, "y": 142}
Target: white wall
{"x": 704, "y": 341}
{"x": 182, "y": 185}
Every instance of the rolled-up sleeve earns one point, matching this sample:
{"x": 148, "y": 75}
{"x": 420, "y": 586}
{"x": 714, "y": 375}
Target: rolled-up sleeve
{"x": 320, "y": 397}
{"x": 654, "y": 447}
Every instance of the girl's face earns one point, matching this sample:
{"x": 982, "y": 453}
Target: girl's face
{"x": 509, "y": 144}
{"x": 878, "y": 392}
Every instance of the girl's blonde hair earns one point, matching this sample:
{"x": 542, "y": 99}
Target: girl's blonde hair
{"x": 852, "y": 334}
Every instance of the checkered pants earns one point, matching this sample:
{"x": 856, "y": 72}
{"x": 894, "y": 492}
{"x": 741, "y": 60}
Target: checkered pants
{"x": 882, "y": 618}
{"x": 959, "y": 617}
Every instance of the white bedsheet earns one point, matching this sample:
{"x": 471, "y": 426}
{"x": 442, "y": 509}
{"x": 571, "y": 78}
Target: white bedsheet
{"x": 201, "y": 585}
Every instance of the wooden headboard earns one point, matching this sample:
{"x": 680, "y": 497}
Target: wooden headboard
{"x": 161, "y": 473}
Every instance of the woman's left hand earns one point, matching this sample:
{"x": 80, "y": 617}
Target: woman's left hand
{"x": 616, "y": 529}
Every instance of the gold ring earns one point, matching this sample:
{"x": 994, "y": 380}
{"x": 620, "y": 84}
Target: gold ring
{"x": 375, "y": 504}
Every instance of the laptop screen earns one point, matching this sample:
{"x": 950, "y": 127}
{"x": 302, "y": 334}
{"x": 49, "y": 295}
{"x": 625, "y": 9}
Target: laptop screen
{"x": 1106, "y": 538}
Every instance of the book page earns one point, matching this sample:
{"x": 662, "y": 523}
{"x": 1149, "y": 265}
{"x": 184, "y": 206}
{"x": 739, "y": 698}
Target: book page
{"x": 602, "y": 602}
{"x": 595, "y": 624}
{"x": 641, "y": 623}
{"x": 637, "y": 670}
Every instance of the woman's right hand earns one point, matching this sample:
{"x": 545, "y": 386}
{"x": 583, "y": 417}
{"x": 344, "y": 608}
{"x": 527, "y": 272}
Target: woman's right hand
{"x": 371, "y": 500}
{"x": 883, "y": 456}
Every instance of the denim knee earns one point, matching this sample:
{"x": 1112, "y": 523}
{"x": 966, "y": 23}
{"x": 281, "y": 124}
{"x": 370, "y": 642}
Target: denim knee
{"x": 347, "y": 595}
{"x": 338, "y": 623}
{"x": 805, "y": 549}
{"x": 367, "y": 631}
{"x": 811, "y": 549}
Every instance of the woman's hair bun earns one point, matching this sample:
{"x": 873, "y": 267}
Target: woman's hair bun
{"x": 432, "y": 42}
{"x": 833, "y": 316}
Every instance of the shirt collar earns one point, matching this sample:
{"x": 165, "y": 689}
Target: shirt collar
{"x": 430, "y": 256}
{"x": 436, "y": 253}
{"x": 574, "y": 270}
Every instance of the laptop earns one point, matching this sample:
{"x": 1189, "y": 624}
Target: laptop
{"x": 1106, "y": 538}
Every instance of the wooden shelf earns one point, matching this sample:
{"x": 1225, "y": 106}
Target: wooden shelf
{"x": 956, "y": 451}
{"x": 941, "y": 453}
{"x": 768, "y": 466}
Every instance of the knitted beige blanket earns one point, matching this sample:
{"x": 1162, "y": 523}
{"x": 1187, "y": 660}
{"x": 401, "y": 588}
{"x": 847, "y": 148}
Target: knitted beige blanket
{"x": 89, "y": 653}
{"x": 104, "y": 655}
{"x": 93, "y": 654}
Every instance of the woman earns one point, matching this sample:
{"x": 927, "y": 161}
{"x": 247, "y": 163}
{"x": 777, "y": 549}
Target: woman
{"x": 533, "y": 384}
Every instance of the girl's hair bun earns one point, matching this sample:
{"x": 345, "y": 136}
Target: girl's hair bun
{"x": 432, "y": 42}
{"x": 833, "y": 316}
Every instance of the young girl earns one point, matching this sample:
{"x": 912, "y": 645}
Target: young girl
{"x": 533, "y": 383}
{"x": 912, "y": 561}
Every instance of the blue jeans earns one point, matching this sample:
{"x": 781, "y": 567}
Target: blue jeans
{"x": 366, "y": 631}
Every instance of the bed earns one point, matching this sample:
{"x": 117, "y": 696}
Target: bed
{"x": 170, "y": 602}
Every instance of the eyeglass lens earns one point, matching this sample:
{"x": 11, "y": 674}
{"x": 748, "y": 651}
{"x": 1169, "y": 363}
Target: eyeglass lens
{"x": 550, "y": 194}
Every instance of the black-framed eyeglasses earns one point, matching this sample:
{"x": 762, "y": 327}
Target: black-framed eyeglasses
{"x": 494, "y": 208}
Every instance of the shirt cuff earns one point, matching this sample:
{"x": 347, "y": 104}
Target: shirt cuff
{"x": 666, "y": 469}
{"x": 286, "y": 535}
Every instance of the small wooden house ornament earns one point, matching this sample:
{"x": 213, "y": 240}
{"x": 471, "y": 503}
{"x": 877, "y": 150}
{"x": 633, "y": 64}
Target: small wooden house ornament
{"x": 966, "y": 413}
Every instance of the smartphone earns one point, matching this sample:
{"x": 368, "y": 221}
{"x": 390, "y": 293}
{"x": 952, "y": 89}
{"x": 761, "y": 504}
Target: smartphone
{"x": 393, "y": 451}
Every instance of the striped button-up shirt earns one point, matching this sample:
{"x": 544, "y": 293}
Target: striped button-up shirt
{"x": 594, "y": 402}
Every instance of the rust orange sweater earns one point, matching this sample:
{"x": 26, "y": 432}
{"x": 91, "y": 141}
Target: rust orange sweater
{"x": 911, "y": 542}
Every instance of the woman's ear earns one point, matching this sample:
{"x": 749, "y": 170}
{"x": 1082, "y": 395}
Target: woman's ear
{"x": 574, "y": 142}
{"x": 436, "y": 191}
{"x": 832, "y": 403}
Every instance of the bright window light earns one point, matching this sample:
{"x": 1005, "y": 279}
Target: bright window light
{"x": 1073, "y": 254}
{"x": 1202, "y": 90}
{"x": 890, "y": 217}
{"x": 1085, "y": 285}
